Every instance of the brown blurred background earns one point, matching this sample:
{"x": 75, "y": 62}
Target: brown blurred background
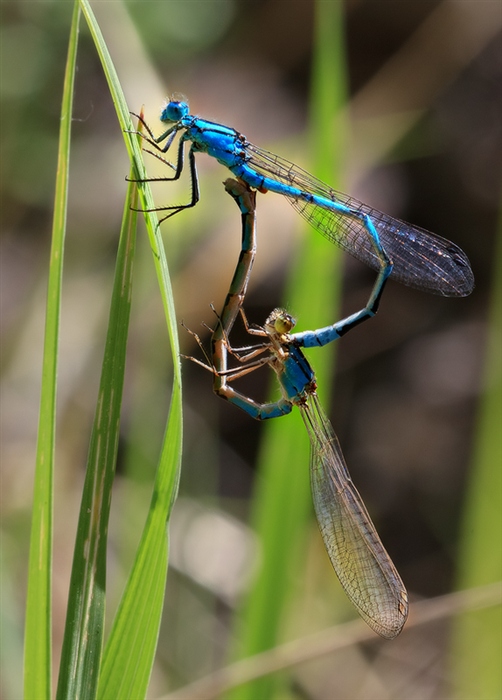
{"x": 424, "y": 82}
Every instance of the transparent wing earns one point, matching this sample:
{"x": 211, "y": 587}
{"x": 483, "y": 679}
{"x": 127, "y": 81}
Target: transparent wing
{"x": 359, "y": 558}
{"x": 421, "y": 259}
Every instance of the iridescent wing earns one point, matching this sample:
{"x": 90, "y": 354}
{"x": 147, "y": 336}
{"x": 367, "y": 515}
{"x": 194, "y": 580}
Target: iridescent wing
{"x": 359, "y": 558}
{"x": 421, "y": 259}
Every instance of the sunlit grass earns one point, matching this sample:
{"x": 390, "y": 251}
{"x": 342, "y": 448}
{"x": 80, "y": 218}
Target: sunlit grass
{"x": 38, "y": 623}
{"x": 135, "y": 630}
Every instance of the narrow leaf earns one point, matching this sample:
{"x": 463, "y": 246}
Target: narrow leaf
{"x": 37, "y": 650}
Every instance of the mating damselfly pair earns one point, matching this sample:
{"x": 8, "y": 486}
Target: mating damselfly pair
{"x": 407, "y": 253}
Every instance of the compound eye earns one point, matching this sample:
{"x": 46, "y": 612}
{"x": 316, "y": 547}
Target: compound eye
{"x": 174, "y": 111}
{"x": 284, "y": 323}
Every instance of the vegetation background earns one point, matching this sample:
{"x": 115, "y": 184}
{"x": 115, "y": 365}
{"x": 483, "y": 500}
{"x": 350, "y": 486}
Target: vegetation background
{"x": 424, "y": 145}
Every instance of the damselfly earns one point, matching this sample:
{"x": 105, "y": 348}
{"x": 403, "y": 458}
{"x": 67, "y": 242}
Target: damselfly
{"x": 357, "y": 554}
{"x": 421, "y": 259}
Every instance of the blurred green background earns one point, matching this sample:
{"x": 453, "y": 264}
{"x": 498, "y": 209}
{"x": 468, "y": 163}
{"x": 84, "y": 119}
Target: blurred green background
{"x": 424, "y": 80}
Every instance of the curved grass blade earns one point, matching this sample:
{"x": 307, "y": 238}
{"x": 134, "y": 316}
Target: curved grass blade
{"x": 129, "y": 652}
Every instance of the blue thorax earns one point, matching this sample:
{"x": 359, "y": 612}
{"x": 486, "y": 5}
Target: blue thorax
{"x": 295, "y": 375}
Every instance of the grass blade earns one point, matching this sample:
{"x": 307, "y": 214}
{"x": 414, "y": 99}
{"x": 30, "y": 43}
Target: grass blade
{"x": 131, "y": 647}
{"x": 83, "y": 640}
{"x": 144, "y": 191}
{"x": 129, "y": 653}
{"x": 37, "y": 650}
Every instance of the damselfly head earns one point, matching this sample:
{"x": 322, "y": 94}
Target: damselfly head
{"x": 280, "y": 321}
{"x": 174, "y": 111}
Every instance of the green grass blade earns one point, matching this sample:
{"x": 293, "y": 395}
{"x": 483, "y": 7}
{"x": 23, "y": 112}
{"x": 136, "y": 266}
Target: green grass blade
{"x": 131, "y": 647}
{"x": 282, "y": 501}
{"x": 129, "y": 652}
{"x": 477, "y": 635}
{"x": 144, "y": 190}
{"x": 37, "y": 650}
{"x": 83, "y": 639}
